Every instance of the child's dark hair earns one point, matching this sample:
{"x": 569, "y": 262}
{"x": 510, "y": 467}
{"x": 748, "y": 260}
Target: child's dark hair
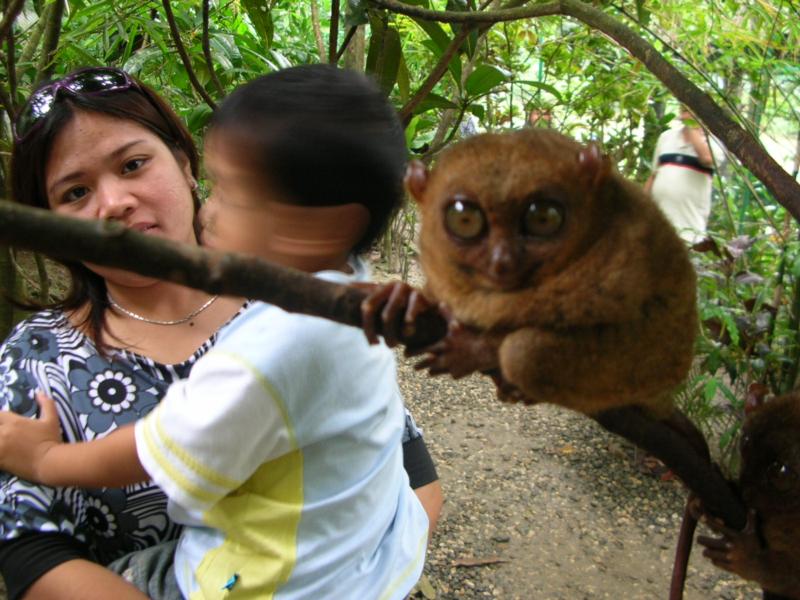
{"x": 323, "y": 136}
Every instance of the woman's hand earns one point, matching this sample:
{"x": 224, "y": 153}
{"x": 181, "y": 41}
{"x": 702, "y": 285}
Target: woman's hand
{"x": 25, "y": 442}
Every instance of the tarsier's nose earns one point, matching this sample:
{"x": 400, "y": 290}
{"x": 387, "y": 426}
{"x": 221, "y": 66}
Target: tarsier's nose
{"x": 504, "y": 264}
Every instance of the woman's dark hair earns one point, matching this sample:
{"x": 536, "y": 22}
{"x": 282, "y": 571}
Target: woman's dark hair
{"x": 323, "y": 136}
{"x": 30, "y": 156}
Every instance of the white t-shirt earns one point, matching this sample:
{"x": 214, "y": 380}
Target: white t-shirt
{"x": 681, "y": 192}
{"x": 282, "y": 451}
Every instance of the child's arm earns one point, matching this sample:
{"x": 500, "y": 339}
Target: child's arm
{"x": 33, "y": 449}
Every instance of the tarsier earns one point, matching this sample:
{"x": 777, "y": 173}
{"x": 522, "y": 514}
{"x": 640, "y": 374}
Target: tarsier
{"x": 768, "y": 549}
{"x": 567, "y": 283}
{"x": 564, "y": 282}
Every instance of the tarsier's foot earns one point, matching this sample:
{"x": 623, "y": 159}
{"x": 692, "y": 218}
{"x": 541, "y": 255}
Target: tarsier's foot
{"x": 507, "y": 392}
{"x": 462, "y": 351}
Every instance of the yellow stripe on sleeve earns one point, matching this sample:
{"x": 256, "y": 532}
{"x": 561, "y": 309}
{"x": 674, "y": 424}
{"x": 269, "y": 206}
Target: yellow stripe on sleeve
{"x": 189, "y": 487}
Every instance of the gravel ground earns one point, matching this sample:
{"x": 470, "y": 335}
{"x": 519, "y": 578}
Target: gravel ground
{"x": 554, "y": 497}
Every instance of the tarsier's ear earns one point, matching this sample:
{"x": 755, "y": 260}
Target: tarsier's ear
{"x": 416, "y": 179}
{"x": 595, "y": 167}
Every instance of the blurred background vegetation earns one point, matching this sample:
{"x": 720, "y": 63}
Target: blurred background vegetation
{"x": 448, "y": 82}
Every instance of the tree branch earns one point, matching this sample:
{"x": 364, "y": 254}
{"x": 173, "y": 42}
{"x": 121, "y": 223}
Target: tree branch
{"x": 346, "y": 42}
{"x": 315, "y": 25}
{"x": 187, "y": 64}
{"x": 334, "y": 31}
{"x": 736, "y": 139}
{"x": 111, "y": 244}
{"x": 11, "y": 14}
{"x": 11, "y": 68}
{"x": 436, "y": 74}
{"x": 207, "y": 51}
{"x": 52, "y": 33}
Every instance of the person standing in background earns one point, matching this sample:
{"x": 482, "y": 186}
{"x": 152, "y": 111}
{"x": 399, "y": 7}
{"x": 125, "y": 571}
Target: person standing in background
{"x": 683, "y": 171}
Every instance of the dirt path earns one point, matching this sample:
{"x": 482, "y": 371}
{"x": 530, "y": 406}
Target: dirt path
{"x": 554, "y": 496}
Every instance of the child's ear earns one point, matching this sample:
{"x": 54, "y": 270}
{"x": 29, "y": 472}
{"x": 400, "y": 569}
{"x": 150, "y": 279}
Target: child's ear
{"x": 416, "y": 179}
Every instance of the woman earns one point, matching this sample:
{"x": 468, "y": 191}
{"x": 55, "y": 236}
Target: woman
{"x": 98, "y": 144}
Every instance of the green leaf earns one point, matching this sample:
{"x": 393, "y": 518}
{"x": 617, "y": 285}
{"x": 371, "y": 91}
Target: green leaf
{"x": 384, "y": 55}
{"x": 434, "y": 101}
{"x": 710, "y": 390}
{"x": 441, "y": 40}
{"x": 546, "y": 87}
{"x": 198, "y": 117}
{"x": 436, "y": 33}
{"x": 478, "y": 110}
{"x": 403, "y": 83}
{"x": 411, "y": 130}
{"x": 260, "y": 16}
{"x": 484, "y": 79}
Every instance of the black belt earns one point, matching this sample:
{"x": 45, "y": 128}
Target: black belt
{"x": 684, "y": 160}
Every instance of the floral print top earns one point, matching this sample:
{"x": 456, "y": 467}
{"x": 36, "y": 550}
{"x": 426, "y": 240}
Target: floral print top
{"x": 95, "y": 394}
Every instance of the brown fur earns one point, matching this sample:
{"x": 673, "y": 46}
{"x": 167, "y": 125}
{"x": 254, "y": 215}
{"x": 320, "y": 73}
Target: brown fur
{"x": 771, "y": 439}
{"x": 600, "y": 315}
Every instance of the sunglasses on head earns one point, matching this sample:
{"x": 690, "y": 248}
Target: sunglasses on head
{"x": 84, "y": 82}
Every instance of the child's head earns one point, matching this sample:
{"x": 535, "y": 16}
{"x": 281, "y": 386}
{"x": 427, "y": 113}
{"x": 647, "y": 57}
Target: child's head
{"x": 310, "y": 154}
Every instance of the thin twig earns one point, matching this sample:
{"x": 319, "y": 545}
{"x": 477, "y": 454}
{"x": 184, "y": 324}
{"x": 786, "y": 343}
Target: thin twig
{"x": 187, "y": 64}
{"x": 52, "y": 33}
{"x": 435, "y": 75}
{"x": 10, "y": 16}
{"x": 11, "y": 68}
{"x": 334, "y": 31}
{"x": 207, "y": 51}
{"x": 315, "y": 25}
{"x": 7, "y": 104}
{"x": 350, "y": 33}
{"x": 32, "y": 43}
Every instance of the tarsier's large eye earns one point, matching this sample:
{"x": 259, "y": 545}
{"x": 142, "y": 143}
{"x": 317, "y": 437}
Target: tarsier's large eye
{"x": 782, "y": 477}
{"x": 464, "y": 219}
{"x": 543, "y": 218}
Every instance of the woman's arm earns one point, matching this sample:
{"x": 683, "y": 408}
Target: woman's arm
{"x": 697, "y": 138}
{"x": 32, "y": 449}
{"x": 81, "y": 580}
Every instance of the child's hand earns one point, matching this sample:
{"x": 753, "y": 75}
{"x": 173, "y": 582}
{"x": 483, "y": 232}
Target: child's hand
{"x": 25, "y": 442}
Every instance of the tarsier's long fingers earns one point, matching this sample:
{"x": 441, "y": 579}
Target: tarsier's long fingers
{"x": 717, "y": 550}
{"x": 395, "y": 306}
{"x": 391, "y": 310}
{"x": 417, "y": 304}
{"x": 369, "y": 308}
{"x": 372, "y": 306}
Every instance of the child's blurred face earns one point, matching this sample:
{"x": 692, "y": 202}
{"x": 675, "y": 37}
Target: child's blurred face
{"x": 245, "y": 214}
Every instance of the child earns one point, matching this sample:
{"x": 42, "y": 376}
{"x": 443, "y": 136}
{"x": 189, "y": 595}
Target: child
{"x": 281, "y": 451}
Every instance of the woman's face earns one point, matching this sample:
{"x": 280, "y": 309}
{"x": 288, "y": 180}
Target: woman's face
{"x": 103, "y": 167}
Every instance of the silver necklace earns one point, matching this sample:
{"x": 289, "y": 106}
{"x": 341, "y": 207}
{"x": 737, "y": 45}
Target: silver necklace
{"x": 138, "y": 317}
